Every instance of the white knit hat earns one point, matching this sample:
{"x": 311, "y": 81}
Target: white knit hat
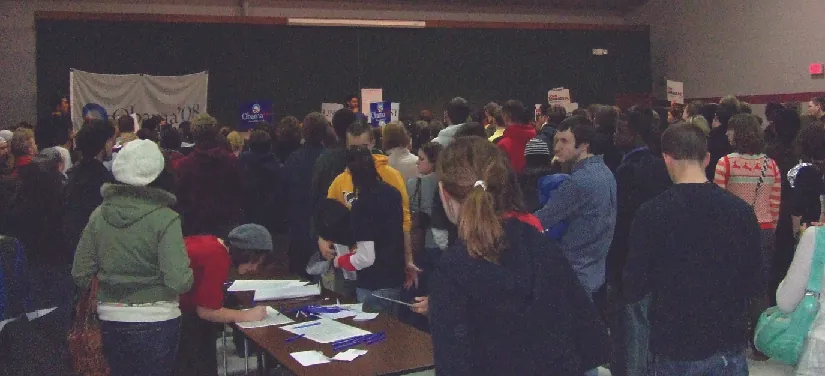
{"x": 6, "y": 135}
{"x": 138, "y": 163}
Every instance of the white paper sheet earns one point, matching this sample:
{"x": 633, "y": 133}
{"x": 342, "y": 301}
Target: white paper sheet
{"x": 273, "y": 317}
{"x": 349, "y": 355}
{"x": 287, "y": 292}
{"x": 365, "y": 316}
{"x": 338, "y": 315}
{"x": 327, "y": 331}
{"x": 256, "y": 284}
{"x": 310, "y": 358}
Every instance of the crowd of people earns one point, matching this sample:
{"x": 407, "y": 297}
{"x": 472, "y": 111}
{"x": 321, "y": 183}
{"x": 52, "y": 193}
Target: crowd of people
{"x": 649, "y": 239}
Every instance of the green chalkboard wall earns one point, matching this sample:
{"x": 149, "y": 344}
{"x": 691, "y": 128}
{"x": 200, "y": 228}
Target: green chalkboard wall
{"x": 301, "y": 67}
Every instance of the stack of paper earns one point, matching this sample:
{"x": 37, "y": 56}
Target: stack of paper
{"x": 288, "y": 292}
{"x": 325, "y": 331}
{"x": 255, "y": 284}
{"x": 273, "y": 317}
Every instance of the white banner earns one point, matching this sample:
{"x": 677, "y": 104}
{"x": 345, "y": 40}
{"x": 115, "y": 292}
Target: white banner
{"x": 176, "y": 98}
{"x": 329, "y": 109}
{"x": 675, "y": 92}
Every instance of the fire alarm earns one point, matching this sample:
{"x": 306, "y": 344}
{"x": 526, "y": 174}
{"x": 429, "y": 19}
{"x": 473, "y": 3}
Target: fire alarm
{"x": 815, "y": 69}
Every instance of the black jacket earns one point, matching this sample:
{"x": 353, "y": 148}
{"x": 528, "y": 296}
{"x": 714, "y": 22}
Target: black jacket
{"x": 298, "y": 171}
{"x": 83, "y": 196}
{"x": 264, "y": 191}
{"x": 527, "y": 316}
{"x": 639, "y": 178}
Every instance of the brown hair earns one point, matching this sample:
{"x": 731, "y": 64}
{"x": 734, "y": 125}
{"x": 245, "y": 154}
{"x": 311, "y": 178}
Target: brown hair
{"x": 469, "y": 160}
{"x": 394, "y": 135}
{"x": 19, "y": 144}
{"x": 747, "y": 134}
{"x": 315, "y": 129}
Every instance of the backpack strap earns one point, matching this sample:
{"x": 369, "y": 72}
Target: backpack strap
{"x": 818, "y": 263}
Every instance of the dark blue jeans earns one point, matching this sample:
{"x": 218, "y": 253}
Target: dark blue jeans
{"x": 140, "y": 348}
{"x": 725, "y": 363}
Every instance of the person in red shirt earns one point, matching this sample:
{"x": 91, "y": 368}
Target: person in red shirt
{"x": 517, "y": 132}
{"x": 211, "y": 259}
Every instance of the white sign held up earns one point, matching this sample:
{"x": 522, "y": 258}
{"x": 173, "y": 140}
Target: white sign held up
{"x": 675, "y": 92}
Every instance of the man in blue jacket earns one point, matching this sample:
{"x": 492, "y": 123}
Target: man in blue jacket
{"x": 586, "y": 201}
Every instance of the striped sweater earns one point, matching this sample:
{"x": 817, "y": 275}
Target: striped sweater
{"x": 740, "y": 174}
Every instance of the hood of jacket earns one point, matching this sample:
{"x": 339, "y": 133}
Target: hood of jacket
{"x": 519, "y": 133}
{"x": 446, "y": 135}
{"x": 124, "y": 205}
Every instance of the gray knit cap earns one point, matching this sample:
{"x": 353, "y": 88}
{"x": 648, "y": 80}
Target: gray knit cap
{"x": 250, "y": 237}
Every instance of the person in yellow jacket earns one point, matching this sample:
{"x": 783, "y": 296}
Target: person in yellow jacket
{"x": 342, "y": 190}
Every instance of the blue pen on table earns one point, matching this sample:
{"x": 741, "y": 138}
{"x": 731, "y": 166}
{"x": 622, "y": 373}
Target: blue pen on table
{"x": 380, "y": 337}
{"x": 290, "y": 339}
{"x": 307, "y": 325}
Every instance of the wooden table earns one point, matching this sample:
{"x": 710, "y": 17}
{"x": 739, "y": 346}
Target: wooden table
{"x": 405, "y": 350}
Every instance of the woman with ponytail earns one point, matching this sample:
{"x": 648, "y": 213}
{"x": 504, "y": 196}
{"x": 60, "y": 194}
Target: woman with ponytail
{"x": 504, "y": 300}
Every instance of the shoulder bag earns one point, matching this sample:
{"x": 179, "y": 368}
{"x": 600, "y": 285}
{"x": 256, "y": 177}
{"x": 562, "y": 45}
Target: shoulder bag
{"x": 783, "y": 336}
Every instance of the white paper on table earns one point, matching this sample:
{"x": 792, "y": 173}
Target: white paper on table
{"x": 273, "y": 317}
{"x": 338, "y": 315}
{"x": 365, "y": 316}
{"x": 310, "y": 358}
{"x": 349, "y": 355}
{"x": 289, "y": 292}
{"x": 357, "y": 307}
{"x": 326, "y": 331}
{"x": 256, "y": 284}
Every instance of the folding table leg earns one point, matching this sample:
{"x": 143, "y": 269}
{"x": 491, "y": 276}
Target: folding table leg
{"x": 246, "y": 354}
{"x": 223, "y": 337}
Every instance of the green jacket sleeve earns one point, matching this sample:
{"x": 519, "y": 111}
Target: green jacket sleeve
{"x": 85, "y": 257}
{"x": 173, "y": 259}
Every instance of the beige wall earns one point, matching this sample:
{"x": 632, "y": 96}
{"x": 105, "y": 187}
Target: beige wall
{"x": 741, "y": 47}
{"x": 17, "y": 32}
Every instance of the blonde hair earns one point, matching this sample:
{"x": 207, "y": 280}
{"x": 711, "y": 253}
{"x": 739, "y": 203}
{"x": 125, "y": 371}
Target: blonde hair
{"x": 394, "y": 135}
{"x": 235, "y": 140}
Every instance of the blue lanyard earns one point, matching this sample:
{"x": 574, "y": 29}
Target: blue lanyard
{"x": 640, "y": 148}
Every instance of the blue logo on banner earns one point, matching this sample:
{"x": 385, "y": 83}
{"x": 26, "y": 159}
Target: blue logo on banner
{"x": 381, "y": 113}
{"x": 94, "y": 111}
{"x": 253, "y": 114}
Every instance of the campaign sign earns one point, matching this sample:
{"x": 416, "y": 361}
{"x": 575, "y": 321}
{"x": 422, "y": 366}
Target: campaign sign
{"x": 254, "y": 113}
{"x": 675, "y": 92}
{"x": 380, "y": 113}
{"x": 558, "y": 96}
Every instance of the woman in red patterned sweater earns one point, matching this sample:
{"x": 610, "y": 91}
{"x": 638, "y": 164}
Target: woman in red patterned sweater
{"x": 750, "y": 175}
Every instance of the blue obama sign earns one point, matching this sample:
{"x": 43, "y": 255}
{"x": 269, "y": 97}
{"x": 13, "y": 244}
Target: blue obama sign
{"x": 380, "y": 113}
{"x": 254, "y": 113}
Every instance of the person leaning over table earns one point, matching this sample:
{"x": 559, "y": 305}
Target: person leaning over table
{"x": 376, "y": 224}
{"x": 201, "y": 307}
{"x": 505, "y": 300}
